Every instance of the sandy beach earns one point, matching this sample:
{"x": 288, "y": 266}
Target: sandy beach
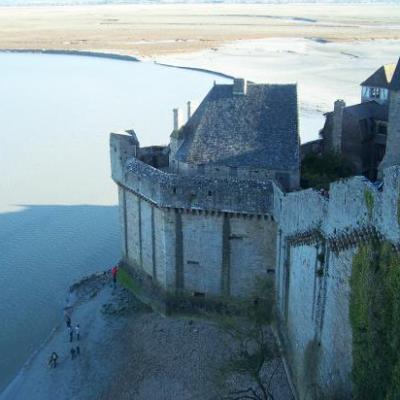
{"x": 127, "y": 351}
{"x": 154, "y": 30}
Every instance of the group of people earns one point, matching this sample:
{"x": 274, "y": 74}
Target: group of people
{"x": 76, "y": 351}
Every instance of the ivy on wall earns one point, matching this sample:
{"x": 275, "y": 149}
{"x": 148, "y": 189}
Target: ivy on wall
{"x": 375, "y": 320}
{"x": 398, "y": 211}
{"x": 369, "y": 202}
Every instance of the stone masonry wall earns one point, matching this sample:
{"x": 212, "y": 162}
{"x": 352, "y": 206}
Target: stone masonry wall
{"x": 212, "y": 237}
{"x": 196, "y": 235}
{"x": 195, "y": 192}
{"x": 317, "y": 239}
{"x": 196, "y": 252}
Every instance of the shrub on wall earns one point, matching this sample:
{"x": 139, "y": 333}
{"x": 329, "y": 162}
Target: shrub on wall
{"x": 369, "y": 202}
{"x": 375, "y": 320}
{"x": 319, "y": 170}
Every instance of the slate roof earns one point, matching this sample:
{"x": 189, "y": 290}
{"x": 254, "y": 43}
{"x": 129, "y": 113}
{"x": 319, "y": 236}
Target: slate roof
{"x": 395, "y": 82}
{"x": 381, "y": 77}
{"x": 258, "y": 129}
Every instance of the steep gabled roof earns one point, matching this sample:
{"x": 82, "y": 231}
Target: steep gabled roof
{"x": 257, "y": 129}
{"x": 395, "y": 82}
{"x": 381, "y": 77}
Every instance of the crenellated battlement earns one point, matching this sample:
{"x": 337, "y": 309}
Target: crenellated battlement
{"x": 168, "y": 190}
{"x": 351, "y": 205}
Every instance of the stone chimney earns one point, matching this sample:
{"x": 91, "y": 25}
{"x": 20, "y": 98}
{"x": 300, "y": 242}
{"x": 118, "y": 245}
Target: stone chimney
{"x": 337, "y": 127}
{"x": 177, "y": 118}
{"x": 392, "y": 152}
{"x": 189, "y": 109}
{"x": 239, "y": 87}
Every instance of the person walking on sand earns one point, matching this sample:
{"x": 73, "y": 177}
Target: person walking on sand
{"x": 67, "y": 319}
{"x": 78, "y": 350}
{"x": 77, "y": 332}
{"x": 114, "y": 272}
{"x": 72, "y": 353}
{"x": 71, "y": 334}
{"x": 53, "y": 360}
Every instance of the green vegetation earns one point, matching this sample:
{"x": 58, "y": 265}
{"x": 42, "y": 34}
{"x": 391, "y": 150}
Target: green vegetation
{"x": 398, "y": 211}
{"x": 369, "y": 202}
{"x": 375, "y": 320}
{"x": 126, "y": 280}
{"x": 318, "y": 171}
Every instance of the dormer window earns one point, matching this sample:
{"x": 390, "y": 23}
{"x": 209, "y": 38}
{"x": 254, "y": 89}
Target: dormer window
{"x": 374, "y": 93}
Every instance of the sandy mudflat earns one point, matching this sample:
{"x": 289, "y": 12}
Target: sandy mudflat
{"x": 328, "y": 50}
{"x": 323, "y": 71}
{"x": 129, "y": 352}
{"x": 153, "y": 30}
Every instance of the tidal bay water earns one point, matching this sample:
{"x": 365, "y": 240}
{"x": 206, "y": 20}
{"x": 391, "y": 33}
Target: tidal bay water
{"x": 58, "y": 214}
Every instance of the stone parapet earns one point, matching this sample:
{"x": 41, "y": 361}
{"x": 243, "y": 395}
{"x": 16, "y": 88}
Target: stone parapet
{"x": 169, "y": 190}
{"x": 351, "y": 206}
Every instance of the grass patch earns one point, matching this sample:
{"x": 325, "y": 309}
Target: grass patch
{"x": 127, "y": 281}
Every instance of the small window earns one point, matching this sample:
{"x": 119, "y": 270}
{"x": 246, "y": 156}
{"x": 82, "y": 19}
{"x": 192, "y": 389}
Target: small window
{"x": 174, "y": 190}
{"x": 374, "y": 93}
{"x": 209, "y": 193}
{"x": 199, "y": 294}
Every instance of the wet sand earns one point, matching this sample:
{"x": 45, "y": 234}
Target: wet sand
{"x": 127, "y": 351}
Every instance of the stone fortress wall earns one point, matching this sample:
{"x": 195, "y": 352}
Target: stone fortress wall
{"x": 189, "y": 234}
{"x": 317, "y": 239}
{"x": 204, "y": 230}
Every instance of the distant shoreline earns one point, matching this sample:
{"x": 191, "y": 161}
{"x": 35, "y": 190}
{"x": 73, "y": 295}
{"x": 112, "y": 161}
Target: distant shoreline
{"x": 84, "y": 53}
{"x": 112, "y": 56}
{"x": 210, "y": 2}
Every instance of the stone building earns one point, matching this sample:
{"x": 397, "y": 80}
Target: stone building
{"x": 244, "y": 131}
{"x": 214, "y": 210}
{"x": 359, "y": 131}
{"x": 197, "y": 216}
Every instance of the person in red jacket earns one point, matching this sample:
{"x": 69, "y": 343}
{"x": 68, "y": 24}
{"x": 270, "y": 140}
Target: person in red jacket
{"x": 114, "y": 272}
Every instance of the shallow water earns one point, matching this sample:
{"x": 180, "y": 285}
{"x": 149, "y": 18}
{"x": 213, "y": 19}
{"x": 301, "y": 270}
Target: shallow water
{"x": 58, "y": 214}
{"x": 58, "y": 219}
